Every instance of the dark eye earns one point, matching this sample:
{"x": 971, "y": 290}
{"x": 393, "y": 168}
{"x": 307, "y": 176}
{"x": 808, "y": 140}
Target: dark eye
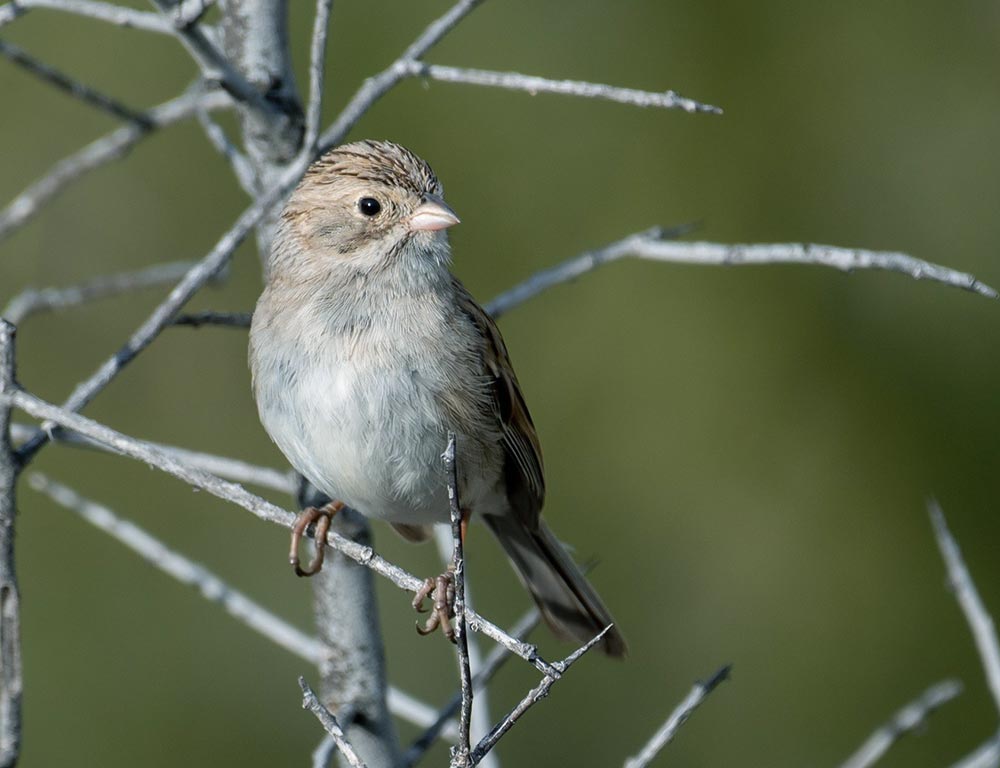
{"x": 369, "y": 206}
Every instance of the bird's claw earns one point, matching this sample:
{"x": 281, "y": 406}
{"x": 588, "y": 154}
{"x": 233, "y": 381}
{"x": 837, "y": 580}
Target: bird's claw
{"x": 322, "y": 517}
{"x": 442, "y": 588}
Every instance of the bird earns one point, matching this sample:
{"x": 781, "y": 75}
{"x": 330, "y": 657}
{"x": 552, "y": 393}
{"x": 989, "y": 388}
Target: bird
{"x": 366, "y": 352}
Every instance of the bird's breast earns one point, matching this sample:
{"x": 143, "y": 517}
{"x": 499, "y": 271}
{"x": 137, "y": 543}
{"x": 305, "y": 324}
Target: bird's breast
{"x": 364, "y": 412}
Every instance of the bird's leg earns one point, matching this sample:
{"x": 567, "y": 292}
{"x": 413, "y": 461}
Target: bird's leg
{"x": 442, "y": 589}
{"x": 322, "y": 517}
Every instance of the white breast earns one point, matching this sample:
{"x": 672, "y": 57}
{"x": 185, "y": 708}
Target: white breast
{"x": 361, "y": 416}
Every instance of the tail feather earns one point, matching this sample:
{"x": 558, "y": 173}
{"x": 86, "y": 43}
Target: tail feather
{"x": 567, "y": 601}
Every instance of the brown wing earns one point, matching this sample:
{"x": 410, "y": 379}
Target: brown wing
{"x": 523, "y": 471}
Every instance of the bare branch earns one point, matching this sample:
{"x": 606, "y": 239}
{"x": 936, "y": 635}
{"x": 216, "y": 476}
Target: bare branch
{"x": 377, "y": 86}
{"x": 106, "y": 12}
{"x": 32, "y": 301}
{"x": 979, "y": 619}
{"x": 514, "y": 81}
{"x": 494, "y": 661}
{"x": 215, "y": 67}
{"x": 481, "y": 721}
{"x": 238, "y": 162}
{"x": 215, "y": 590}
{"x": 228, "y": 319}
{"x": 909, "y": 718}
{"x": 73, "y": 87}
{"x": 651, "y": 245}
{"x": 677, "y": 718}
{"x": 329, "y": 723}
{"x": 535, "y": 695}
{"x": 188, "y": 12}
{"x": 186, "y": 571}
{"x": 317, "y": 67}
{"x": 987, "y": 755}
{"x": 110, "y": 147}
{"x": 460, "y": 753}
{"x": 231, "y": 469}
{"x": 11, "y": 681}
{"x": 261, "y": 508}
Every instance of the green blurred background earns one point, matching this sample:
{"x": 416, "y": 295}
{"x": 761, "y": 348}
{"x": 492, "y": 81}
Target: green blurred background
{"x": 748, "y": 451}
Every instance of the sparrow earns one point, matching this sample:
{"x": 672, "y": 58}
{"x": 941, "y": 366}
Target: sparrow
{"x": 365, "y": 352}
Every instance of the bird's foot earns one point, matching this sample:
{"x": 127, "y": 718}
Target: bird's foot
{"x": 442, "y": 590}
{"x": 322, "y": 517}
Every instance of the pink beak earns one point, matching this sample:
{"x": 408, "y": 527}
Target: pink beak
{"x": 433, "y": 214}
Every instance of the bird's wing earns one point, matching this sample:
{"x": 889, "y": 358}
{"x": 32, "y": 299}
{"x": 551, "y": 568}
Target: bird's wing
{"x": 523, "y": 470}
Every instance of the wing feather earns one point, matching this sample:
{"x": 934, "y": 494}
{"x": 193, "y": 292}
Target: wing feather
{"x": 523, "y": 470}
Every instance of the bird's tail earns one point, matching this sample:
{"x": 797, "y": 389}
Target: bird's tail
{"x": 569, "y": 604}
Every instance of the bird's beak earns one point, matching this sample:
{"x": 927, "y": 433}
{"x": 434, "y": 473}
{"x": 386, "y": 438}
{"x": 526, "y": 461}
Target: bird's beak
{"x": 433, "y": 214}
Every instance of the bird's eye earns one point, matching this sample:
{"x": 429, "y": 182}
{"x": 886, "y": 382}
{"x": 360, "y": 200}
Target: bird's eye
{"x": 369, "y": 206}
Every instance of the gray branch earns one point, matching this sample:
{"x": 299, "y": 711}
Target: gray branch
{"x": 239, "y": 164}
{"x": 677, "y": 718}
{"x": 110, "y": 147}
{"x": 237, "y": 604}
{"x": 908, "y": 719}
{"x": 494, "y": 661}
{"x": 104, "y": 12}
{"x": 329, "y": 723}
{"x": 71, "y": 86}
{"x": 317, "y": 70}
{"x": 535, "y": 695}
{"x": 987, "y": 755}
{"x": 460, "y": 753}
{"x": 514, "y": 81}
{"x": 980, "y": 622}
{"x": 481, "y": 720}
{"x": 214, "y": 65}
{"x": 377, "y": 86}
{"x": 654, "y": 245}
{"x": 228, "y": 319}
{"x": 11, "y": 681}
{"x": 231, "y": 469}
{"x": 34, "y": 300}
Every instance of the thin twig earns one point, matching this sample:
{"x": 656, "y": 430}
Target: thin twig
{"x": 514, "y": 81}
{"x": 536, "y": 694}
{"x": 34, "y": 300}
{"x": 908, "y": 719}
{"x": 99, "y": 11}
{"x": 377, "y": 86}
{"x": 494, "y": 661}
{"x": 236, "y": 603}
{"x": 652, "y": 245}
{"x": 677, "y": 718}
{"x": 481, "y": 720}
{"x": 979, "y": 619}
{"x": 986, "y": 755}
{"x": 215, "y": 67}
{"x": 231, "y": 469}
{"x": 186, "y": 571}
{"x": 188, "y": 12}
{"x": 460, "y": 752}
{"x": 329, "y": 723}
{"x": 111, "y": 146}
{"x": 227, "y": 319}
{"x": 71, "y": 86}
{"x": 11, "y": 680}
{"x": 317, "y": 69}
{"x": 239, "y": 164}
{"x": 261, "y": 508}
